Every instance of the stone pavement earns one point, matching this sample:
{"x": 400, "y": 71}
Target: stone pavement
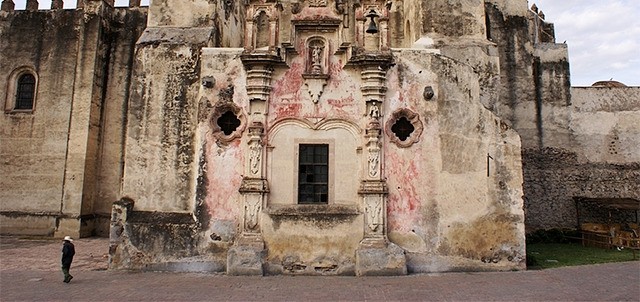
{"x": 29, "y": 271}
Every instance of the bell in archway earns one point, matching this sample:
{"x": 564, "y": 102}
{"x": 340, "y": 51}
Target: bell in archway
{"x": 373, "y": 28}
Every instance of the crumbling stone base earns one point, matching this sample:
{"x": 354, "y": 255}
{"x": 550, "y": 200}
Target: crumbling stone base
{"x": 246, "y": 258}
{"x": 380, "y": 258}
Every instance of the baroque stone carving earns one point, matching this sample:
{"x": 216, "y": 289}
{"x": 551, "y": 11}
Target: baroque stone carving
{"x": 220, "y": 111}
{"x": 373, "y": 150}
{"x": 315, "y": 76}
{"x": 373, "y": 209}
{"x": 252, "y": 209}
{"x": 316, "y": 59}
{"x": 374, "y": 162}
{"x": 255, "y": 157}
{"x": 374, "y": 110}
{"x": 255, "y": 149}
{"x": 315, "y": 86}
{"x": 398, "y": 117}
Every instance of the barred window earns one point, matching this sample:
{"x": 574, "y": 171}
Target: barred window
{"x": 25, "y": 92}
{"x": 313, "y": 174}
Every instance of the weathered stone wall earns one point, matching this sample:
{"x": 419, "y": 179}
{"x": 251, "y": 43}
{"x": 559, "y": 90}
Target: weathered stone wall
{"x": 118, "y": 49}
{"x": 599, "y": 159}
{"x": 223, "y": 19}
{"x": 445, "y": 20}
{"x": 53, "y": 154}
{"x": 160, "y": 169}
{"x": 34, "y": 145}
{"x": 535, "y": 98}
{"x": 136, "y": 120}
{"x": 455, "y": 197}
{"x": 605, "y": 124}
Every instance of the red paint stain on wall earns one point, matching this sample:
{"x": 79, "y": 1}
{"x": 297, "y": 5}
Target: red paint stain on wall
{"x": 404, "y": 199}
{"x": 224, "y": 166}
{"x": 287, "y": 110}
{"x": 339, "y": 103}
{"x": 290, "y": 83}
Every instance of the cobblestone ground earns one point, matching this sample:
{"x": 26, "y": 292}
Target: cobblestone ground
{"x": 29, "y": 271}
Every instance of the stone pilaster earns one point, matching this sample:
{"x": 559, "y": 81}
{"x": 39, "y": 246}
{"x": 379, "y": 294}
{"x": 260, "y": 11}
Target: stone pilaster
{"x": 246, "y": 256}
{"x": 259, "y": 67}
{"x": 375, "y": 255}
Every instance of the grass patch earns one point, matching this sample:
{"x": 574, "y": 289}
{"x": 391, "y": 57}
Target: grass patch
{"x": 550, "y": 255}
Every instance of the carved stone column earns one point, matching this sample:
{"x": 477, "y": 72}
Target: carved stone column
{"x": 374, "y": 189}
{"x": 254, "y": 186}
{"x": 259, "y": 67}
{"x": 246, "y": 256}
{"x": 375, "y": 255}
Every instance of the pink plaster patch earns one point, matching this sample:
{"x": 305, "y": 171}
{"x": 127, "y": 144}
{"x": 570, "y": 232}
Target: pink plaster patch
{"x": 223, "y": 179}
{"x": 290, "y": 84}
{"x": 287, "y": 110}
{"x": 339, "y": 103}
{"x": 404, "y": 201}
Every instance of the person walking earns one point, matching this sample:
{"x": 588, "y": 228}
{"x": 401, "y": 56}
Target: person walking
{"x": 68, "y": 250}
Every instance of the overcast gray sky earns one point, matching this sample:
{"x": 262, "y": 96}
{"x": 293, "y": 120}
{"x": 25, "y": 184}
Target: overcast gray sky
{"x": 603, "y": 36}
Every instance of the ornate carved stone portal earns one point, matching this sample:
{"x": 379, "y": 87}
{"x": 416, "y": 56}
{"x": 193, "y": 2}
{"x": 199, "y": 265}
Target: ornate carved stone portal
{"x": 318, "y": 45}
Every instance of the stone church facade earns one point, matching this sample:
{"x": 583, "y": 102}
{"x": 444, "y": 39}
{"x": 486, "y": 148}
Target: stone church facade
{"x": 331, "y": 137}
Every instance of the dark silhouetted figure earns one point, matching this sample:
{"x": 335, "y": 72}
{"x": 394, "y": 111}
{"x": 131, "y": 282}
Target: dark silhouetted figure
{"x": 68, "y": 250}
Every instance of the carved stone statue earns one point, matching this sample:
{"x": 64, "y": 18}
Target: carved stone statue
{"x": 374, "y": 111}
{"x": 316, "y": 59}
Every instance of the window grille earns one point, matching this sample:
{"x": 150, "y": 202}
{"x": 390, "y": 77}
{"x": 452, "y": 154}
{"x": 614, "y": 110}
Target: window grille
{"x": 313, "y": 174}
{"x": 25, "y": 92}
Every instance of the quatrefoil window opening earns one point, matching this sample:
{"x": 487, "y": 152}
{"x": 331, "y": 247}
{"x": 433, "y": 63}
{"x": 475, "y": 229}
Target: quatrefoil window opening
{"x": 228, "y": 122}
{"x": 404, "y": 127}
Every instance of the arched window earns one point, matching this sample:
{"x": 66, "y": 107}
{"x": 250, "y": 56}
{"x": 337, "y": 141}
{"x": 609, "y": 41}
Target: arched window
{"x": 25, "y": 92}
{"x": 21, "y": 90}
